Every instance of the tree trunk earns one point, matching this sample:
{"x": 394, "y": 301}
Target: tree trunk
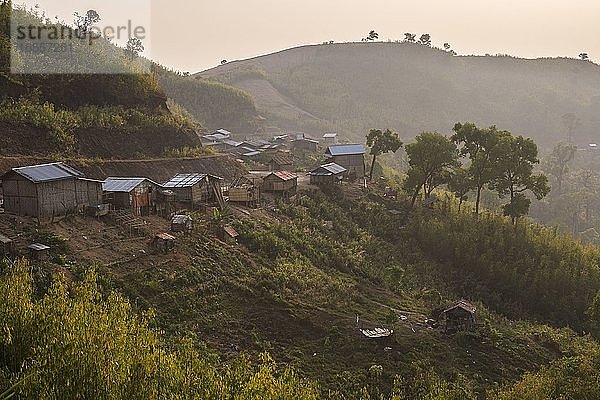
{"x": 478, "y": 200}
{"x": 372, "y": 166}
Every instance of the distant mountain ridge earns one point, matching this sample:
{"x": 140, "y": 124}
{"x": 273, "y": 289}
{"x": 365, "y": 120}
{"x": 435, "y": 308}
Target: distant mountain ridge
{"x": 353, "y": 87}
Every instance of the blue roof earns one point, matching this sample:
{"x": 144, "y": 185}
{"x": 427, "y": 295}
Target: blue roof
{"x": 345, "y": 149}
{"x": 48, "y": 172}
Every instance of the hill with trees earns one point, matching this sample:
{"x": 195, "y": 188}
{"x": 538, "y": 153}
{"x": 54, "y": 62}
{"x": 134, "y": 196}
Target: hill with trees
{"x": 123, "y": 115}
{"x": 410, "y": 87}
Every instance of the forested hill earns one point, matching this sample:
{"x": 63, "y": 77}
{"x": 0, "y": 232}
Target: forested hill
{"x": 122, "y": 115}
{"x": 409, "y": 87}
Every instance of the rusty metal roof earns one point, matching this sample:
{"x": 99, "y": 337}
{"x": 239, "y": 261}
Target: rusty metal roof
{"x": 463, "y": 304}
{"x": 165, "y": 236}
{"x": 230, "y": 231}
{"x": 284, "y": 175}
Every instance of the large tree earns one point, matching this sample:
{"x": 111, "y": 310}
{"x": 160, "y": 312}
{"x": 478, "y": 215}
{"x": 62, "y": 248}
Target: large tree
{"x": 382, "y": 142}
{"x": 558, "y": 163}
{"x": 478, "y": 145}
{"x": 516, "y": 157}
{"x": 460, "y": 184}
{"x": 431, "y": 158}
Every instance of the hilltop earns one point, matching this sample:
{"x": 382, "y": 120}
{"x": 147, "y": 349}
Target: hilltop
{"x": 353, "y": 87}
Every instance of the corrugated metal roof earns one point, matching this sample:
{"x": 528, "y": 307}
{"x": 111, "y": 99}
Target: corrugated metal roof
{"x": 346, "y": 149}
{"x": 181, "y": 219}
{"x": 334, "y": 168}
{"x": 184, "y": 180}
{"x": 251, "y": 154}
{"x": 224, "y": 132}
{"x": 38, "y": 247}
{"x": 48, "y": 172}
{"x": 125, "y": 185}
{"x": 232, "y": 143}
{"x": 328, "y": 170}
{"x": 330, "y": 135}
{"x": 284, "y": 175}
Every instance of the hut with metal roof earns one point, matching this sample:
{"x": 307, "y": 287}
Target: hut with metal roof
{"x": 281, "y": 162}
{"x": 138, "y": 194}
{"x": 48, "y": 190}
{"x": 330, "y": 138}
{"x": 304, "y": 143}
{"x": 163, "y": 242}
{"x": 327, "y": 174}
{"x": 349, "y": 156}
{"x": 196, "y": 188}
{"x": 282, "y": 182}
{"x": 460, "y": 317}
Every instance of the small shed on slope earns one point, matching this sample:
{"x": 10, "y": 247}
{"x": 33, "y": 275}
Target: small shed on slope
{"x": 196, "y": 188}
{"x": 283, "y": 182}
{"x": 327, "y": 174}
{"x": 460, "y": 317}
{"x": 138, "y": 194}
{"x": 349, "y": 156}
{"x": 244, "y": 190}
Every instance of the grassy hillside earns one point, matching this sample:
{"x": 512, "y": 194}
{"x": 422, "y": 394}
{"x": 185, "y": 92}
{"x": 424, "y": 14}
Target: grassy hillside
{"x": 294, "y": 286}
{"x": 408, "y": 87}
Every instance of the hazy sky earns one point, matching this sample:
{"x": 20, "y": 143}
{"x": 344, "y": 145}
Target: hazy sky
{"x": 194, "y": 35}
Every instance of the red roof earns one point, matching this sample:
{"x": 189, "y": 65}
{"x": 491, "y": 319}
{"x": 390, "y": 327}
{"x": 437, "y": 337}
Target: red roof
{"x": 285, "y": 175}
{"x": 231, "y": 232}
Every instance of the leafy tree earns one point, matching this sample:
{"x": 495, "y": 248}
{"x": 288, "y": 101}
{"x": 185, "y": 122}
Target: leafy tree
{"x": 372, "y": 36}
{"x": 478, "y": 144}
{"x": 515, "y": 158}
{"x": 447, "y": 46}
{"x": 461, "y": 183}
{"x": 431, "y": 158}
{"x": 223, "y": 62}
{"x": 381, "y": 143}
{"x": 85, "y": 22}
{"x": 410, "y": 37}
{"x": 571, "y": 123}
{"x": 425, "y": 39}
{"x": 559, "y": 162}
{"x": 584, "y": 56}
{"x": 134, "y": 47}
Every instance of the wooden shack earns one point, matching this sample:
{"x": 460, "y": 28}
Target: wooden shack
{"x": 197, "y": 188}
{"x": 39, "y": 252}
{"x": 349, "y": 156}
{"x": 282, "y": 182}
{"x": 327, "y": 174}
{"x": 460, "y": 317}
{"x": 48, "y": 190}
{"x": 305, "y": 144}
{"x": 140, "y": 195}
{"x": 163, "y": 242}
{"x": 182, "y": 223}
{"x": 281, "y": 162}
{"x": 244, "y": 190}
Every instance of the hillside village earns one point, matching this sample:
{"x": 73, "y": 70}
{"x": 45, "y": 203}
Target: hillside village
{"x": 46, "y": 193}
